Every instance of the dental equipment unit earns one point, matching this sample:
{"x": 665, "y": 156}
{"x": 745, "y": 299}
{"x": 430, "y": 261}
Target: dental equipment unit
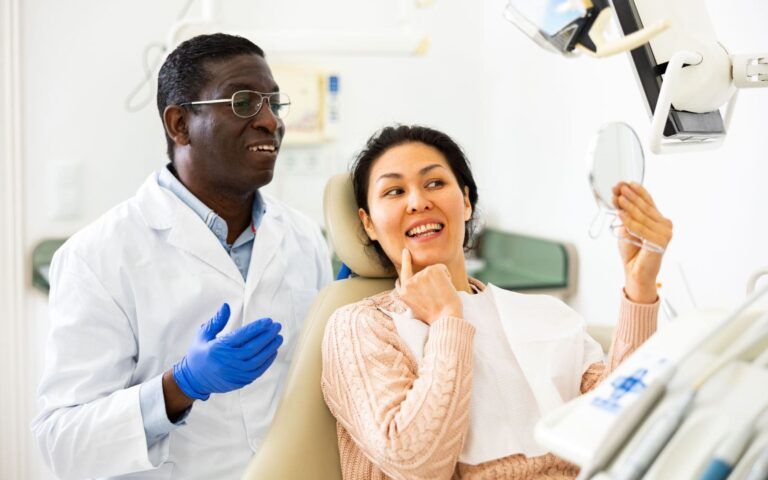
{"x": 684, "y": 73}
{"x": 662, "y": 413}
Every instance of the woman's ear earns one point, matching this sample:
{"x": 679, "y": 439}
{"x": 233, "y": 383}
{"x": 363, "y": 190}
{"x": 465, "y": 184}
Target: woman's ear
{"x": 175, "y": 122}
{"x": 467, "y": 205}
{"x": 367, "y": 224}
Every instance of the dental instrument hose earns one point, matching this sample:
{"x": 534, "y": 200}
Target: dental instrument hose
{"x": 728, "y": 454}
{"x": 759, "y": 470}
{"x": 649, "y": 446}
{"x": 665, "y": 425}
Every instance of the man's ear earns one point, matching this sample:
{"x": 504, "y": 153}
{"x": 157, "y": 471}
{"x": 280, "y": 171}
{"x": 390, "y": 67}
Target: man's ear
{"x": 467, "y": 205}
{"x": 175, "y": 122}
{"x": 367, "y": 224}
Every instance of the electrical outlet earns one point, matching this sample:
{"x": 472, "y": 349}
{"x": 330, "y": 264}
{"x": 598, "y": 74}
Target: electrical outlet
{"x": 65, "y": 192}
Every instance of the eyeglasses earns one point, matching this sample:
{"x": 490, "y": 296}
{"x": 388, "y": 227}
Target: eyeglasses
{"x": 247, "y": 103}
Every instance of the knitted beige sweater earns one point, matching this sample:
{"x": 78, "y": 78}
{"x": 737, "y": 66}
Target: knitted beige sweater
{"x": 404, "y": 419}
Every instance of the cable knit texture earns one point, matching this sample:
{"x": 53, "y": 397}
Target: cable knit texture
{"x": 404, "y": 419}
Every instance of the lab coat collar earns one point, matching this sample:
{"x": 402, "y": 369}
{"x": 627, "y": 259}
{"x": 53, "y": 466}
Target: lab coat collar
{"x": 157, "y": 205}
{"x": 162, "y": 210}
{"x": 266, "y": 245}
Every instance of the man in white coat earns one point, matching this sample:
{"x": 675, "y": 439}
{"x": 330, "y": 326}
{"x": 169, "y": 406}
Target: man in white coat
{"x": 175, "y": 315}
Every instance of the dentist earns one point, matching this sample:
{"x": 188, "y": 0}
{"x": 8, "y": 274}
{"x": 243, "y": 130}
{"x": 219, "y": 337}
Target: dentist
{"x": 175, "y": 315}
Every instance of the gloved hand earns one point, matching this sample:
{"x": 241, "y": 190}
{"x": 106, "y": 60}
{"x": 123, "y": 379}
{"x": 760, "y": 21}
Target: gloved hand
{"x": 229, "y": 362}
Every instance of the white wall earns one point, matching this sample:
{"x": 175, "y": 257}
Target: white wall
{"x": 540, "y": 114}
{"x": 525, "y": 118}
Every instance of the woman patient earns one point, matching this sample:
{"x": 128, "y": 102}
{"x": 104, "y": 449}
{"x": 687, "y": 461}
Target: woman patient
{"x": 444, "y": 377}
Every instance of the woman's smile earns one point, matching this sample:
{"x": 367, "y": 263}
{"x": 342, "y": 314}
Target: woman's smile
{"x": 424, "y": 231}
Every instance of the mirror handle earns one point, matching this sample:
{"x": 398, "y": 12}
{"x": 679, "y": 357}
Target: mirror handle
{"x": 594, "y": 228}
{"x": 635, "y": 239}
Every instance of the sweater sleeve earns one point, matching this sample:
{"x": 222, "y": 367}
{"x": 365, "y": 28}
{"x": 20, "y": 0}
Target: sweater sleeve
{"x": 637, "y": 322}
{"x": 409, "y": 419}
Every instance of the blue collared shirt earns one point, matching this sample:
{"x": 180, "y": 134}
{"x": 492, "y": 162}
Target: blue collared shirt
{"x": 152, "y": 401}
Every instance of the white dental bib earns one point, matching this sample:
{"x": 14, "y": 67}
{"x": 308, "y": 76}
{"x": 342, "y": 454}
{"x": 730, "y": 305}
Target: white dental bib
{"x": 529, "y": 354}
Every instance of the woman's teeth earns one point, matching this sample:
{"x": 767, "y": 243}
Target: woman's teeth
{"x": 423, "y": 229}
{"x": 262, "y": 148}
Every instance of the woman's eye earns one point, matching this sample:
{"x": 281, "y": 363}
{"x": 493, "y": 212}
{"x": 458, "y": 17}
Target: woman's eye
{"x": 393, "y": 192}
{"x": 435, "y": 183}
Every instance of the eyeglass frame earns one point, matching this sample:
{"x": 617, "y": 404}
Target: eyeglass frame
{"x": 231, "y": 101}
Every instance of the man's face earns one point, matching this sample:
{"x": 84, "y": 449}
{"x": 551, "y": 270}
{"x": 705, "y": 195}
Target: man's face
{"x": 223, "y": 147}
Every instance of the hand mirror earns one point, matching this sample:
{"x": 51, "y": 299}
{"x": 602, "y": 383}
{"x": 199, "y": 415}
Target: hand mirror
{"x": 615, "y": 155}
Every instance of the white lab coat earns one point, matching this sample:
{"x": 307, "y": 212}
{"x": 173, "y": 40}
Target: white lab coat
{"x": 127, "y": 296}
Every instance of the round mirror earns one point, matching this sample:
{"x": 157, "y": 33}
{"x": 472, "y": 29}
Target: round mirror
{"x": 615, "y": 155}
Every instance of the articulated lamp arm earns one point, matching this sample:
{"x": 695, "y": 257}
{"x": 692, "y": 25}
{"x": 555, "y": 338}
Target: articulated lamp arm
{"x": 606, "y": 48}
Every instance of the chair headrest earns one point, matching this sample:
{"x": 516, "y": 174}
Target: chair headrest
{"x": 346, "y": 231}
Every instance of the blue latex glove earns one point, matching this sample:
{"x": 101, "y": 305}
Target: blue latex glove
{"x": 229, "y": 362}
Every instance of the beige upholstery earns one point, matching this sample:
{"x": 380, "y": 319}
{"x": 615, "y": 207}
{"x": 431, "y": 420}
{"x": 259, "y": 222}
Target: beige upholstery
{"x": 346, "y": 231}
{"x": 301, "y": 443}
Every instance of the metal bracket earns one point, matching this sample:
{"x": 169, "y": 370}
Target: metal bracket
{"x": 750, "y": 71}
{"x": 757, "y": 70}
{"x": 671, "y": 82}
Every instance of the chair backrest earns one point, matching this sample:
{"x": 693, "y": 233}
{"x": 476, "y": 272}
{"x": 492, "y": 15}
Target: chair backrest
{"x": 301, "y": 443}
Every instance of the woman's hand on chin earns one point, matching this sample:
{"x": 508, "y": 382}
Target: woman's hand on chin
{"x": 639, "y": 214}
{"x": 430, "y": 293}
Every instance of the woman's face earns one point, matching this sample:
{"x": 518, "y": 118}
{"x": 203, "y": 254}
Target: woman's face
{"x": 415, "y": 202}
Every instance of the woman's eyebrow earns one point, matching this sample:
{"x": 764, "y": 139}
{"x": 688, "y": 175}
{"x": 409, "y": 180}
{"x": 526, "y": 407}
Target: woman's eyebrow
{"x": 398, "y": 176}
{"x": 388, "y": 175}
{"x": 429, "y": 168}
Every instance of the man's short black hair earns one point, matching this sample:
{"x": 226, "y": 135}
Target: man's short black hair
{"x": 183, "y": 74}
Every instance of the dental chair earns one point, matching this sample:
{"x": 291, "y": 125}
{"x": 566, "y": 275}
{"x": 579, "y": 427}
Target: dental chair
{"x": 301, "y": 443}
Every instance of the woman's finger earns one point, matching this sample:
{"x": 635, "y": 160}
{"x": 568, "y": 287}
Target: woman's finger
{"x": 648, "y": 208}
{"x": 633, "y": 211}
{"x": 406, "y": 269}
{"x": 640, "y": 190}
{"x": 653, "y": 234}
{"x": 653, "y": 219}
{"x": 616, "y": 190}
{"x": 629, "y": 211}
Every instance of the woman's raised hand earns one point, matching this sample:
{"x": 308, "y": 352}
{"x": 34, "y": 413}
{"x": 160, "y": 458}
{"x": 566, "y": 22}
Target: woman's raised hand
{"x": 639, "y": 215}
{"x": 429, "y": 294}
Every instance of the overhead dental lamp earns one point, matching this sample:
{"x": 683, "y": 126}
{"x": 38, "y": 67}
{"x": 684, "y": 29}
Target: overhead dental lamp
{"x": 685, "y": 74}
